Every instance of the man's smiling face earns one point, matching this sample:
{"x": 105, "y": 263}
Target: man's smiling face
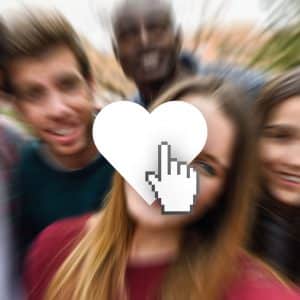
{"x": 55, "y": 99}
{"x": 146, "y": 42}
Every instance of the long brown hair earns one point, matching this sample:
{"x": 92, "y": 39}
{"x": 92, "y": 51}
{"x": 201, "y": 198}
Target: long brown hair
{"x": 96, "y": 267}
{"x": 32, "y": 32}
{"x": 276, "y": 223}
{"x": 275, "y": 92}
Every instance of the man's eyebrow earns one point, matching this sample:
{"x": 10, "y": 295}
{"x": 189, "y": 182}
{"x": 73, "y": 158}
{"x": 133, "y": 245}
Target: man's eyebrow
{"x": 158, "y": 14}
{"x": 28, "y": 85}
{"x": 68, "y": 75}
{"x": 126, "y": 19}
{"x": 130, "y": 22}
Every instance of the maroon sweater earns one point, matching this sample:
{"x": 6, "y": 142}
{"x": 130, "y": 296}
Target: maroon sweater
{"x": 55, "y": 243}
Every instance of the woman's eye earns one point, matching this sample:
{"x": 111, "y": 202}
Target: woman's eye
{"x": 281, "y": 137}
{"x": 277, "y": 135}
{"x": 205, "y": 167}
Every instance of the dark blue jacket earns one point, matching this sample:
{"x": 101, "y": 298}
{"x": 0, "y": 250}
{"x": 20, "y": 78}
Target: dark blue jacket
{"x": 249, "y": 80}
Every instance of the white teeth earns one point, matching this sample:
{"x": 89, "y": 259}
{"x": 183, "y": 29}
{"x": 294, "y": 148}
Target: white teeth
{"x": 64, "y": 131}
{"x": 150, "y": 60}
{"x": 295, "y": 179}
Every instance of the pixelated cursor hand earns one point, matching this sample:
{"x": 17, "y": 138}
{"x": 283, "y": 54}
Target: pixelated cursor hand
{"x": 175, "y": 185}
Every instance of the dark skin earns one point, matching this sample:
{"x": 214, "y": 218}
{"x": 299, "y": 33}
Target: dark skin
{"x": 147, "y": 47}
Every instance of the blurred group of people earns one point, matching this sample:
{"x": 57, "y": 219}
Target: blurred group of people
{"x": 73, "y": 228}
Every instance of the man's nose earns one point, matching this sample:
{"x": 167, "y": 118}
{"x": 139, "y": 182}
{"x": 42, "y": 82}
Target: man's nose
{"x": 144, "y": 36}
{"x": 57, "y": 106}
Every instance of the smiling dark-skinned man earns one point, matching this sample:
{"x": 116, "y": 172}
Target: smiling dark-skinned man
{"x": 147, "y": 42}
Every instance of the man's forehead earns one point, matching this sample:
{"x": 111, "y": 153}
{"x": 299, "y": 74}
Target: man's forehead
{"x": 58, "y": 58}
{"x": 140, "y": 10}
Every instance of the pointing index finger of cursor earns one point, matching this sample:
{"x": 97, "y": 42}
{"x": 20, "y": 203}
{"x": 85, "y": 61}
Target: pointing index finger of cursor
{"x": 175, "y": 185}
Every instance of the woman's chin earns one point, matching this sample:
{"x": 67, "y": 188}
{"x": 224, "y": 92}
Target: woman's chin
{"x": 152, "y": 215}
{"x": 154, "y": 218}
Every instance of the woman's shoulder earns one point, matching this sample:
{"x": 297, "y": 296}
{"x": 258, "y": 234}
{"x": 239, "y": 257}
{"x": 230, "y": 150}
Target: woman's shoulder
{"x": 256, "y": 280}
{"x": 49, "y": 251}
{"x": 59, "y": 234}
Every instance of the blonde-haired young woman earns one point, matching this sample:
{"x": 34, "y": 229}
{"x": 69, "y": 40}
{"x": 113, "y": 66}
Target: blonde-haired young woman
{"x": 132, "y": 251}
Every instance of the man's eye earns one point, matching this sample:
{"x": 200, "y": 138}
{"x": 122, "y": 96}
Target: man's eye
{"x": 205, "y": 168}
{"x": 127, "y": 33}
{"x": 156, "y": 27}
{"x": 32, "y": 94}
{"x": 70, "y": 84}
{"x": 159, "y": 23}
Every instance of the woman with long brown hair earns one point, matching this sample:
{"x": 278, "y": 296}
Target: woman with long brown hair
{"x": 132, "y": 251}
{"x": 277, "y": 228}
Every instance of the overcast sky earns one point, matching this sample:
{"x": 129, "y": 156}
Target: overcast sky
{"x": 84, "y": 14}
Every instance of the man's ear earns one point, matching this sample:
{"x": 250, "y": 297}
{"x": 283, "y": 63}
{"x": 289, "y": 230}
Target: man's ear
{"x": 116, "y": 52}
{"x": 178, "y": 39}
{"x": 92, "y": 83}
{"x": 93, "y": 90}
{"x": 15, "y": 103}
{"x": 17, "y": 106}
{"x": 5, "y": 98}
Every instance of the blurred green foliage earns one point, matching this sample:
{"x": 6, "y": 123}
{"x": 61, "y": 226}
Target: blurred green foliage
{"x": 281, "y": 50}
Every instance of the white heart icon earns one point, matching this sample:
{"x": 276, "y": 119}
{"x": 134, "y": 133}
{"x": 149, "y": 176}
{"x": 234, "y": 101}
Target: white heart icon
{"x": 128, "y": 136}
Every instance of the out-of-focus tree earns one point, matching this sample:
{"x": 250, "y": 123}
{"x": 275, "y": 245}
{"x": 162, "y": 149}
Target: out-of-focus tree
{"x": 273, "y": 44}
{"x": 290, "y": 4}
{"x": 281, "y": 51}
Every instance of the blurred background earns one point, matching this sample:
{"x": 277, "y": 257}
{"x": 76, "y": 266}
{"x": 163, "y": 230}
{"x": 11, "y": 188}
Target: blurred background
{"x": 261, "y": 34}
